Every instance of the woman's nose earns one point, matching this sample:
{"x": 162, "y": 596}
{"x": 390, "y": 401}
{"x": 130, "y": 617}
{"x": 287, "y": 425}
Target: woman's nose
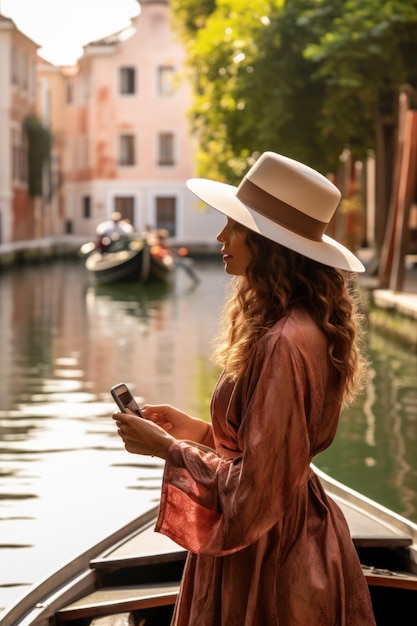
{"x": 221, "y": 235}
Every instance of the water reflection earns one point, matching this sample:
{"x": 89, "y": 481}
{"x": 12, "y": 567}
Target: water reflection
{"x": 65, "y": 479}
{"x": 375, "y": 447}
{"x": 396, "y": 395}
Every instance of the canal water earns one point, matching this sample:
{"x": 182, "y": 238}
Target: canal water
{"x": 65, "y": 479}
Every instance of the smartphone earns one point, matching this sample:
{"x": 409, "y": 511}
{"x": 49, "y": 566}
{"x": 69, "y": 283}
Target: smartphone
{"x": 124, "y": 399}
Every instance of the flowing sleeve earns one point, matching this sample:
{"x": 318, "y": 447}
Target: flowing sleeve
{"x": 216, "y": 505}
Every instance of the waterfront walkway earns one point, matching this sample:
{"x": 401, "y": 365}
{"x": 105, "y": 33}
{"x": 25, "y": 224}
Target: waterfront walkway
{"x": 404, "y": 301}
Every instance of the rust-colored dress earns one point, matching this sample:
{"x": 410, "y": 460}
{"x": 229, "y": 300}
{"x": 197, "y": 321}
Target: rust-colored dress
{"x": 267, "y": 547}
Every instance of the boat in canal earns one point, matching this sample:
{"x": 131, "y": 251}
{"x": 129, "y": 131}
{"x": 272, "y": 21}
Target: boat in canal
{"x": 133, "y": 576}
{"x": 127, "y": 259}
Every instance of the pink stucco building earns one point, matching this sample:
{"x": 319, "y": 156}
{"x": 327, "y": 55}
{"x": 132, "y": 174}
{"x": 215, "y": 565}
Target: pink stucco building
{"x": 121, "y": 138}
{"x": 18, "y": 58}
{"x": 128, "y": 144}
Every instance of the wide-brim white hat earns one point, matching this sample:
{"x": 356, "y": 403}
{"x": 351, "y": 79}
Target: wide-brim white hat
{"x": 285, "y": 201}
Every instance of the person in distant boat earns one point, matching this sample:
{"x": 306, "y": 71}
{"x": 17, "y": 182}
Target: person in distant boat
{"x": 112, "y": 230}
{"x": 266, "y": 545}
{"x": 158, "y": 241}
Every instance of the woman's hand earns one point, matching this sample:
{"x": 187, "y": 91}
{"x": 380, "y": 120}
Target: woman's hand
{"x": 162, "y": 425}
{"x": 142, "y": 436}
{"x": 175, "y": 422}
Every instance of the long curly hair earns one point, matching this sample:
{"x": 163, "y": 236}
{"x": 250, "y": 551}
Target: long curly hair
{"x": 277, "y": 280}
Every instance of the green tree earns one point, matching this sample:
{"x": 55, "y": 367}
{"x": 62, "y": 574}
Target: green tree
{"x": 249, "y": 91}
{"x": 303, "y": 77}
{"x": 365, "y": 52}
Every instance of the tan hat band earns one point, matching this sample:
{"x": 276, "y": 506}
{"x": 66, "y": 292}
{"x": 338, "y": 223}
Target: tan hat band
{"x": 280, "y": 212}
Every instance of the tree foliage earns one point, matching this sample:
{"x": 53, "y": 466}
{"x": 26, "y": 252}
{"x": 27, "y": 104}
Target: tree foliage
{"x": 364, "y": 55}
{"x": 302, "y": 77}
{"x": 39, "y": 141}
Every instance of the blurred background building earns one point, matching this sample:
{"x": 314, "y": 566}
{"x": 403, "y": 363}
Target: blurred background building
{"x": 107, "y": 134}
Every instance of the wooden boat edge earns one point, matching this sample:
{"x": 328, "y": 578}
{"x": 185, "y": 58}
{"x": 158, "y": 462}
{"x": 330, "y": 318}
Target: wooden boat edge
{"x": 39, "y": 601}
{"x": 78, "y": 579}
{"x": 372, "y": 508}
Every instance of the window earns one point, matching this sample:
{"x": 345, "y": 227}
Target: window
{"x": 70, "y": 91}
{"x": 165, "y": 80}
{"x": 166, "y": 214}
{"x": 127, "y": 80}
{"x": 86, "y": 207}
{"x": 126, "y": 150}
{"x": 15, "y": 65}
{"x": 166, "y": 149}
{"x": 25, "y": 70}
{"x": 19, "y": 155}
{"x": 33, "y": 79}
{"x": 125, "y": 205}
{"x": 24, "y": 165}
{"x": 15, "y": 154}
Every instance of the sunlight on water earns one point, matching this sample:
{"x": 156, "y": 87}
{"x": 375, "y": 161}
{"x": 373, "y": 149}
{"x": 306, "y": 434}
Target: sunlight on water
{"x": 66, "y": 480}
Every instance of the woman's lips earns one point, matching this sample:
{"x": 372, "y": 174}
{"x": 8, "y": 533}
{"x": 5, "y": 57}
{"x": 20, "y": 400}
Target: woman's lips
{"x": 225, "y": 255}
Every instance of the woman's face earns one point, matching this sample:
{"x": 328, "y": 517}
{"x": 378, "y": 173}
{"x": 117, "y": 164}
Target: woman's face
{"x": 236, "y": 253}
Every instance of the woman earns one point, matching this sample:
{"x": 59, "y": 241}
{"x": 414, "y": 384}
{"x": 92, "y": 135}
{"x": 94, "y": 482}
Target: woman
{"x": 267, "y": 546}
